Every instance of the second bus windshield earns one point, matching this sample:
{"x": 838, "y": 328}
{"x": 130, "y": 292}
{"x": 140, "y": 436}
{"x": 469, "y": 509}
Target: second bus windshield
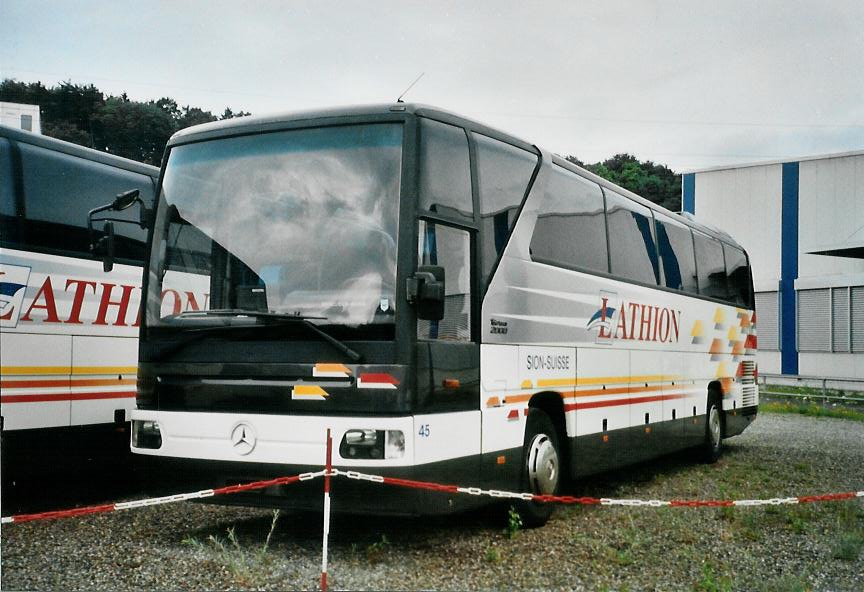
{"x": 300, "y": 222}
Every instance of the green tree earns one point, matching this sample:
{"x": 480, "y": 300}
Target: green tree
{"x": 229, "y": 114}
{"x": 63, "y": 130}
{"x": 193, "y": 116}
{"x": 132, "y": 129}
{"x": 654, "y": 182}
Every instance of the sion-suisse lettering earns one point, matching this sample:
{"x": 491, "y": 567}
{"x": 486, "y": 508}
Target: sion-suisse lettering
{"x": 548, "y": 362}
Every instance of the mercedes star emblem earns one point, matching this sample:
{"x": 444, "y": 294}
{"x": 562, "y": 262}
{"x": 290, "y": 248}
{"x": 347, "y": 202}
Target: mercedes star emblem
{"x": 243, "y": 439}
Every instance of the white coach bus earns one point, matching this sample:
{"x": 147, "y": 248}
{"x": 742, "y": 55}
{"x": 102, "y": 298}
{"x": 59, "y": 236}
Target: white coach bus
{"x": 456, "y": 304}
{"x": 68, "y": 331}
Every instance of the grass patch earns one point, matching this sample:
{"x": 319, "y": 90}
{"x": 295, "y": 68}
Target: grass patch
{"x": 242, "y": 563}
{"x": 377, "y": 550}
{"x": 812, "y": 410}
{"x": 787, "y": 583}
{"x": 809, "y": 391}
{"x": 848, "y": 546}
{"x": 514, "y": 523}
{"x": 493, "y": 555}
{"x": 711, "y": 582}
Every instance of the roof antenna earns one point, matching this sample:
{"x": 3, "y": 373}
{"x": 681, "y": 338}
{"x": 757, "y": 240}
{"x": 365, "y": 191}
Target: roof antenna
{"x": 405, "y": 92}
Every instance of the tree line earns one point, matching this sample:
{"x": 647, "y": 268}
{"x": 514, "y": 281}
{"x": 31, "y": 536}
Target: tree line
{"x": 84, "y": 115}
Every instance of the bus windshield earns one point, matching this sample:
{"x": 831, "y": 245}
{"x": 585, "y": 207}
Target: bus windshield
{"x": 299, "y": 222}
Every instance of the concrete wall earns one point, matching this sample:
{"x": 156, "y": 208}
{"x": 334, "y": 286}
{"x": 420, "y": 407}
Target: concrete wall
{"x": 760, "y": 205}
{"x": 831, "y": 205}
{"x": 745, "y": 203}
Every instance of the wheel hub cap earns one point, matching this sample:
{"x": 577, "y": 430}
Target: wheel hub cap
{"x": 543, "y": 465}
{"x": 714, "y": 426}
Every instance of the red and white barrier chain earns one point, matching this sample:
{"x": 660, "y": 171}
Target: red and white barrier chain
{"x": 600, "y": 501}
{"x": 167, "y": 499}
{"x": 397, "y": 482}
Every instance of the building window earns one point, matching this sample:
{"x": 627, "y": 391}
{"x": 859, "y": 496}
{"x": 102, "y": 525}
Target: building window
{"x": 27, "y": 123}
{"x": 814, "y": 320}
{"x": 856, "y": 316}
{"x": 840, "y": 319}
{"x": 767, "y": 321}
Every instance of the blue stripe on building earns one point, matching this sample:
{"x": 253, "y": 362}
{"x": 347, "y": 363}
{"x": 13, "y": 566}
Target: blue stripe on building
{"x": 688, "y": 200}
{"x": 788, "y": 268}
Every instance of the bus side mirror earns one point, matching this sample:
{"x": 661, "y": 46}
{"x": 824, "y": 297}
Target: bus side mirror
{"x": 126, "y": 200}
{"x": 425, "y": 290}
{"x": 104, "y": 247}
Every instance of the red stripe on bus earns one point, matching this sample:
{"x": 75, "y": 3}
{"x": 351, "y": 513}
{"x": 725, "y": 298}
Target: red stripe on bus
{"x": 379, "y": 379}
{"x": 618, "y": 402}
{"x": 44, "y": 398}
{"x": 66, "y": 382}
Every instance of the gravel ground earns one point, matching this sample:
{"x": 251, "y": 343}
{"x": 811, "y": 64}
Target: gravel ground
{"x": 192, "y": 546}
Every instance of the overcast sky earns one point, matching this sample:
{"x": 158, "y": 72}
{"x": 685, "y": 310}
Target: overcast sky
{"x": 689, "y": 84}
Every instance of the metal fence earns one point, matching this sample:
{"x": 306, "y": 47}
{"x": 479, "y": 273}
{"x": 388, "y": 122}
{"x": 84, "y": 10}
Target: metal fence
{"x": 828, "y": 388}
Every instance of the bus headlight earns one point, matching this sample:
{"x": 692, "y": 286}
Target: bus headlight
{"x": 395, "y": 447}
{"x": 372, "y": 444}
{"x": 146, "y": 434}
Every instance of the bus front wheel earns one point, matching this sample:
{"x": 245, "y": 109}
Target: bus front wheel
{"x": 541, "y": 468}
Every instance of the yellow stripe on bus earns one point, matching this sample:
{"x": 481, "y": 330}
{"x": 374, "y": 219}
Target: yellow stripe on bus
{"x": 627, "y": 379}
{"x": 544, "y": 382}
{"x": 44, "y": 370}
{"x": 105, "y": 370}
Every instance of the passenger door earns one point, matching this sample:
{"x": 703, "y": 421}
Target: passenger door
{"x": 448, "y": 355}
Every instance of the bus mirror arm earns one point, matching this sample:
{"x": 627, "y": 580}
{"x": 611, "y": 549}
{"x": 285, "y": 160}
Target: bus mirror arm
{"x": 425, "y": 290}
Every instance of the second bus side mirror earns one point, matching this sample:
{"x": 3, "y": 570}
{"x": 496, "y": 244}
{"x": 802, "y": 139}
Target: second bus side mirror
{"x": 425, "y": 290}
{"x": 104, "y": 247}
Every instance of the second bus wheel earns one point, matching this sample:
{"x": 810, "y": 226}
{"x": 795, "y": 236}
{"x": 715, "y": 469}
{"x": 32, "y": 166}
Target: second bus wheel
{"x": 541, "y": 467}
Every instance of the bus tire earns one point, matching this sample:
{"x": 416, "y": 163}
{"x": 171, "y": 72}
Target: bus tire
{"x": 712, "y": 446}
{"x": 541, "y": 468}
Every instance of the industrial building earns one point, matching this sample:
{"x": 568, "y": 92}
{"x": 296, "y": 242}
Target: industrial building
{"x": 802, "y": 223}
{"x": 20, "y": 116}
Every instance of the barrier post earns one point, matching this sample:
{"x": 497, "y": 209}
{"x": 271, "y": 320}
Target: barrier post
{"x": 328, "y": 466}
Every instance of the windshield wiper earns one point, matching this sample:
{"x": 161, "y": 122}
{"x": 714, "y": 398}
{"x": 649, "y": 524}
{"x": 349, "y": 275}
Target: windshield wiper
{"x": 352, "y": 354}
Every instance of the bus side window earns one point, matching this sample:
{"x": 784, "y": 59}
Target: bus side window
{"x": 445, "y": 171}
{"x": 503, "y": 175}
{"x": 737, "y": 276}
{"x": 8, "y": 208}
{"x": 631, "y": 240}
{"x": 712, "y": 271}
{"x": 449, "y": 248}
{"x": 60, "y": 189}
{"x": 675, "y": 243}
{"x": 571, "y": 230}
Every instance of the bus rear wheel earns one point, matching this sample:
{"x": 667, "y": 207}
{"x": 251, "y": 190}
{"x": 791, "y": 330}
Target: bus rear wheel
{"x": 712, "y": 447}
{"x": 541, "y": 468}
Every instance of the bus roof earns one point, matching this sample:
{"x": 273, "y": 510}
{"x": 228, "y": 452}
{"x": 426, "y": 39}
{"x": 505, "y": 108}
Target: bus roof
{"x": 272, "y": 122}
{"x": 90, "y": 154}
